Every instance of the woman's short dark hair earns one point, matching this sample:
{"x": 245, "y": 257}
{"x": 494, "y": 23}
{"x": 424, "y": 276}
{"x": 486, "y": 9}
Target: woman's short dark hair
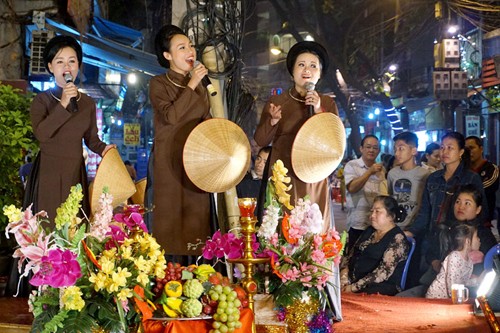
{"x": 431, "y": 147}
{"x": 162, "y": 42}
{"x": 460, "y": 139}
{"x": 473, "y": 191}
{"x": 394, "y": 210}
{"x": 57, "y": 43}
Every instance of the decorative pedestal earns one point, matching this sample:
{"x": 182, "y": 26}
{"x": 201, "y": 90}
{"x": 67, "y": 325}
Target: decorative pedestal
{"x": 247, "y": 222}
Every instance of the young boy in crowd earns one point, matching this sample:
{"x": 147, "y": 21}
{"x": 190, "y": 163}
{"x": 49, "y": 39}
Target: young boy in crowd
{"x": 406, "y": 181}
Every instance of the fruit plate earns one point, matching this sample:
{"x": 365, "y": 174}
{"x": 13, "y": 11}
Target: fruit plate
{"x": 181, "y": 318}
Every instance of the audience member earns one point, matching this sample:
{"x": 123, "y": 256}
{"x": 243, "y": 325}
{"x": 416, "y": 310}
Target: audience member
{"x": 432, "y": 159}
{"x": 438, "y": 195}
{"x": 486, "y": 170}
{"x": 131, "y": 170}
{"x": 406, "y": 181}
{"x": 364, "y": 179}
{"x": 457, "y": 267}
{"x": 376, "y": 263}
{"x": 25, "y": 170}
{"x": 466, "y": 209}
{"x": 250, "y": 185}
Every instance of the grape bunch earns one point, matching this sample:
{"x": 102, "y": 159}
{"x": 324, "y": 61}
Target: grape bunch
{"x": 172, "y": 272}
{"x": 227, "y": 316}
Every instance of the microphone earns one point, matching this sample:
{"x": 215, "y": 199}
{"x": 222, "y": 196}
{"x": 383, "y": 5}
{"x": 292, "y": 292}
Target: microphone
{"x": 310, "y": 86}
{"x": 206, "y": 82}
{"x": 69, "y": 78}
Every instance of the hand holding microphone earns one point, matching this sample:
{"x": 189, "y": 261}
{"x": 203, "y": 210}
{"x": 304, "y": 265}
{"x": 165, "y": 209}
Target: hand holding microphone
{"x": 310, "y": 86}
{"x": 206, "y": 82}
{"x": 69, "y": 79}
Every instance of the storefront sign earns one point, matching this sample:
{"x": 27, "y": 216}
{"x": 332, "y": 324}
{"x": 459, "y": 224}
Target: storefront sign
{"x": 472, "y": 126}
{"x": 131, "y": 134}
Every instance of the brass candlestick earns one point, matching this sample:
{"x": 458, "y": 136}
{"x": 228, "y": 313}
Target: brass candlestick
{"x": 247, "y": 222}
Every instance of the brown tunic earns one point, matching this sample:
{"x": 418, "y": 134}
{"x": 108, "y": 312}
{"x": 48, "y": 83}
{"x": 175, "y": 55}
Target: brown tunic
{"x": 181, "y": 213}
{"x": 293, "y": 115}
{"x": 60, "y": 133}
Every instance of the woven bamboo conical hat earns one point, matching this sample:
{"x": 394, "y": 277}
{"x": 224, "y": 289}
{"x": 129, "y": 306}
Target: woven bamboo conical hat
{"x": 216, "y": 155}
{"x": 113, "y": 175}
{"x": 140, "y": 186}
{"x": 318, "y": 147}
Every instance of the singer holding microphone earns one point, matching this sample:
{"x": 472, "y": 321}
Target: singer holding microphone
{"x": 284, "y": 114}
{"x": 179, "y": 98}
{"x": 61, "y": 117}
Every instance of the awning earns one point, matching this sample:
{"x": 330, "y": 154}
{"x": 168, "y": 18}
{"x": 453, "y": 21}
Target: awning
{"x": 102, "y": 52}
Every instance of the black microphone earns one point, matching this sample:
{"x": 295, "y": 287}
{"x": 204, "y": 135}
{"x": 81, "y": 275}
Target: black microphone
{"x": 206, "y": 82}
{"x": 310, "y": 86}
{"x": 68, "y": 78}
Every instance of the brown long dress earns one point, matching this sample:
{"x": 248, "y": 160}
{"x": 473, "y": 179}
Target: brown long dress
{"x": 181, "y": 213}
{"x": 294, "y": 113}
{"x": 60, "y": 133}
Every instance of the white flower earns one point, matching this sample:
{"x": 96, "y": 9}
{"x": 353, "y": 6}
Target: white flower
{"x": 269, "y": 222}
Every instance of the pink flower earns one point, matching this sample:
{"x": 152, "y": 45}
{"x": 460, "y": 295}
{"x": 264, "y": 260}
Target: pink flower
{"x": 117, "y": 236}
{"x": 318, "y": 256}
{"x": 131, "y": 218}
{"x": 291, "y": 274}
{"x": 27, "y": 229}
{"x": 33, "y": 254}
{"x": 58, "y": 269}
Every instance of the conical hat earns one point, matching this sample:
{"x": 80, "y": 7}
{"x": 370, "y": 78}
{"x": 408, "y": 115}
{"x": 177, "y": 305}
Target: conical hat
{"x": 216, "y": 155}
{"x": 318, "y": 147}
{"x": 140, "y": 186}
{"x": 112, "y": 174}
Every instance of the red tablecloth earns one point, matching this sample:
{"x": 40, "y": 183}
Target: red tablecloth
{"x": 375, "y": 313}
{"x": 195, "y": 326}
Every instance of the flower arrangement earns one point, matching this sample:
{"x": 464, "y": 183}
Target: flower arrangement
{"x": 90, "y": 275}
{"x": 302, "y": 255}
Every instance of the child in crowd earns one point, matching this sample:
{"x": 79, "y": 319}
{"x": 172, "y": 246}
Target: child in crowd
{"x": 406, "y": 181}
{"x": 461, "y": 239}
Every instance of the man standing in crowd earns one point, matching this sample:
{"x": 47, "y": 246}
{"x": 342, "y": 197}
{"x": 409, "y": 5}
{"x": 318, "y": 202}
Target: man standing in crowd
{"x": 406, "y": 181}
{"x": 486, "y": 170}
{"x": 364, "y": 180}
{"x": 250, "y": 184}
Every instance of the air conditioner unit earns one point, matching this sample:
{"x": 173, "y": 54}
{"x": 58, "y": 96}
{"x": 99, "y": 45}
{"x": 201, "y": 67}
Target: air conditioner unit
{"x": 38, "y": 40}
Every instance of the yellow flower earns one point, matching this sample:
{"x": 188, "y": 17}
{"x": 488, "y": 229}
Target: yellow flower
{"x": 72, "y": 298}
{"x": 126, "y": 252}
{"x": 143, "y": 279}
{"x": 98, "y": 280}
{"x": 120, "y": 276}
{"x": 142, "y": 264}
{"x": 107, "y": 265}
{"x": 279, "y": 179}
{"x": 13, "y": 214}
{"x": 110, "y": 254}
{"x": 124, "y": 294}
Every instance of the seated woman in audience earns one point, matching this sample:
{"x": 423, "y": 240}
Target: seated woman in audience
{"x": 467, "y": 208}
{"x": 457, "y": 266}
{"x": 377, "y": 261}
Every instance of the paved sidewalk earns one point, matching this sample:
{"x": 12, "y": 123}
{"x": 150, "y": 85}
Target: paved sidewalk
{"x": 340, "y": 217}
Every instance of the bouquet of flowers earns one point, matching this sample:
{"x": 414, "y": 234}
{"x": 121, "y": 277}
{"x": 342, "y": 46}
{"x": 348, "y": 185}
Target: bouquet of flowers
{"x": 302, "y": 254}
{"x": 91, "y": 275}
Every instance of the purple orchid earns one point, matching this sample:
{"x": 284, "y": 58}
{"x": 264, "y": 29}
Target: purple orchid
{"x": 57, "y": 269}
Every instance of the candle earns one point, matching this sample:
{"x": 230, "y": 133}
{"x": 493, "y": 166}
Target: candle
{"x": 247, "y": 206}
